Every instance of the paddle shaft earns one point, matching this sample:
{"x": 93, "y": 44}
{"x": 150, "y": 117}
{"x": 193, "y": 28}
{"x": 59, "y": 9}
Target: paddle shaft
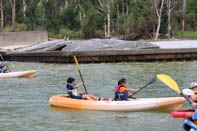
{"x": 152, "y": 81}
{"x": 82, "y": 81}
{"x": 77, "y": 64}
{"x": 189, "y": 100}
{"x": 5, "y": 63}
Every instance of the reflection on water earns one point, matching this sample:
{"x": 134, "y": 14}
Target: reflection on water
{"x": 24, "y": 103}
{"x": 66, "y": 110}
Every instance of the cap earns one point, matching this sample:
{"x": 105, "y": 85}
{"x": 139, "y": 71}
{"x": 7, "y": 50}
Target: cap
{"x": 193, "y": 85}
{"x": 194, "y": 117}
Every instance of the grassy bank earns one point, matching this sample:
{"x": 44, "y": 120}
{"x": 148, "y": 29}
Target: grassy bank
{"x": 186, "y": 34}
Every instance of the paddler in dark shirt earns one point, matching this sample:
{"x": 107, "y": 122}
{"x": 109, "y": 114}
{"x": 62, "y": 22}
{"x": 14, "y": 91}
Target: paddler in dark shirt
{"x": 72, "y": 90}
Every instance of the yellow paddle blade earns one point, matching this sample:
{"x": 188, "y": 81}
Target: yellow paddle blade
{"x": 76, "y": 61}
{"x": 167, "y": 80}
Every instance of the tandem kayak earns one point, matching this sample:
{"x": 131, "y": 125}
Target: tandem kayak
{"x": 20, "y": 74}
{"x": 170, "y": 103}
{"x": 183, "y": 113}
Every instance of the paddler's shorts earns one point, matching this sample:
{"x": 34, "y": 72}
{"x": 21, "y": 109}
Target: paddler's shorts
{"x": 77, "y": 97}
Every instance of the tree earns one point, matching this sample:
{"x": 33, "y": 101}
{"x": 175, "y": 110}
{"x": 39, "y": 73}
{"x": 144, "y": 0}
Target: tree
{"x": 158, "y": 10}
{"x": 192, "y": 15}
{"x": 104, "y": 6}
{"x": 171, "y": 4}
{"x": 2, "y": 15}
{"x": 13, "y": 5}
{"x": 57, "y": 11}
{"x": 89, "y": 26}
{"x": 24, "y": 7}
{"x": 184, "y": 14}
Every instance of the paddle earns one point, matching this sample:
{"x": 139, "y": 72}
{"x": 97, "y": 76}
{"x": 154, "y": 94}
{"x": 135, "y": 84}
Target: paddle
{"x": 188, "y": 92}
{"x": 167, "y": 80}
{"x": 5, "y": 63}
{"x": 152, "y": 81}
{"x": 77, "y": 64}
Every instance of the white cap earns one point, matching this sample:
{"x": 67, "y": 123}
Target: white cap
{"x": 193, "y": 85}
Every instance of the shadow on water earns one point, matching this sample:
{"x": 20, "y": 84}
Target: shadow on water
{"x": 71, "y": 110}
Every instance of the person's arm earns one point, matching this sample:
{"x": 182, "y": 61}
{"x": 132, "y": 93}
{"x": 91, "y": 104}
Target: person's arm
{"x": 194, "y": 105}
{"x": 78, "y": 85}
{"x": 127, "y": 89}
{"x": 193, "y": 97}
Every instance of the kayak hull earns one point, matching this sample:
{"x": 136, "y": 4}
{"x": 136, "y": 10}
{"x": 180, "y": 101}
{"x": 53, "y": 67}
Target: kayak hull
{"x": 20, "y": 74}
{"x": 171, "y": 103}
{"x": 183, "y": 113}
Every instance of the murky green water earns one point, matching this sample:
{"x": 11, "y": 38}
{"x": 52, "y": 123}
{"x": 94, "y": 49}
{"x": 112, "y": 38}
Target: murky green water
{"x": 24, "y": 103}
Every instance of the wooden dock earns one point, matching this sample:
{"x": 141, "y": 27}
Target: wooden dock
{"x": 137, "y": 55}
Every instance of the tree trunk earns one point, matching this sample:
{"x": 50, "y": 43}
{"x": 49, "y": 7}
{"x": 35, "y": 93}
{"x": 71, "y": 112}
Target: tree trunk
{"x": 43, "y": 15}
{"x": 127, "y": 7}
{"x": 80, "y": 16}
{"x": 57, "y": 10}
{"x": 169, "y": 19}
{"x": 13, "y": 5}
{"x": 184, "y": 13}
{"x": 108, "y": 21}
{"x": 118, "y": 13}
{"x": 159, "y": 14}
{"x": 105, "y": 28}
{"x": 195, "y": 25}
{"x": 158, "y": 28}
{"x": 123, "y": 7}
{"x": 24, "y": 7}
{"x": 2, "y": 15}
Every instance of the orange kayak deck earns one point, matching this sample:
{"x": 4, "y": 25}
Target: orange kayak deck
{"x": 169, "y": 103}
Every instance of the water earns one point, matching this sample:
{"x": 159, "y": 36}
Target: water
{"x": 24, "y": 103}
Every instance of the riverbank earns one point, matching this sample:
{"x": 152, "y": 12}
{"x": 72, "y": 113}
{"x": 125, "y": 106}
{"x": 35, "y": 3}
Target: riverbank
{"x": 107, "y": 50}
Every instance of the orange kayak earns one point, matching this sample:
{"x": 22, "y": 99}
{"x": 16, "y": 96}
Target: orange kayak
{"x": 169, "y": 103}
{"x": 20, "y": 74}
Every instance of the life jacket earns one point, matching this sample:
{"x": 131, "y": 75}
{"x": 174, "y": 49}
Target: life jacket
{"x": 71, "y": 90}
{"x": 121, "y": 94}
{"x": 116, "y": 88}
{"x": 2, "y": 70}
{"x": 190, "y": 124}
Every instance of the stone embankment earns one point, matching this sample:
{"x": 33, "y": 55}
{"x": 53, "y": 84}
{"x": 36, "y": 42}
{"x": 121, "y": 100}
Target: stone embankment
{"x": 99, "y": 50}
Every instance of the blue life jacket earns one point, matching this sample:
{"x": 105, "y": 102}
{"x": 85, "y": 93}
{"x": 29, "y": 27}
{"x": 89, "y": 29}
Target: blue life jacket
{"x": 190, "y": 124}
{"x": 120, "y": 96}
{"x": 1, "y": 70}
{"x": 70, "y": 89}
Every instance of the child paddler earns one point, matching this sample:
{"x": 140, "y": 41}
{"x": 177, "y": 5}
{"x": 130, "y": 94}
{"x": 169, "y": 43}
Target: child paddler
{"x": 122, "y": 90}
{"x": 191, "y": 123}
{"x": 72, "y": 90}
{"x": 193, "y": 87}
{"x": 2, "y": 68}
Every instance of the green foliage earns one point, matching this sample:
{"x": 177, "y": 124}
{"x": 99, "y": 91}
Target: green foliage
{"x": 66, "y": 34}
{"x": 70, "y": 17}
{"x": 19, "y": 27}
{"x": 84, "y": 19}
{"x": 89, "y": 26}
{"x": 186, "y": 34}
{"x": 7, "y": 29}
